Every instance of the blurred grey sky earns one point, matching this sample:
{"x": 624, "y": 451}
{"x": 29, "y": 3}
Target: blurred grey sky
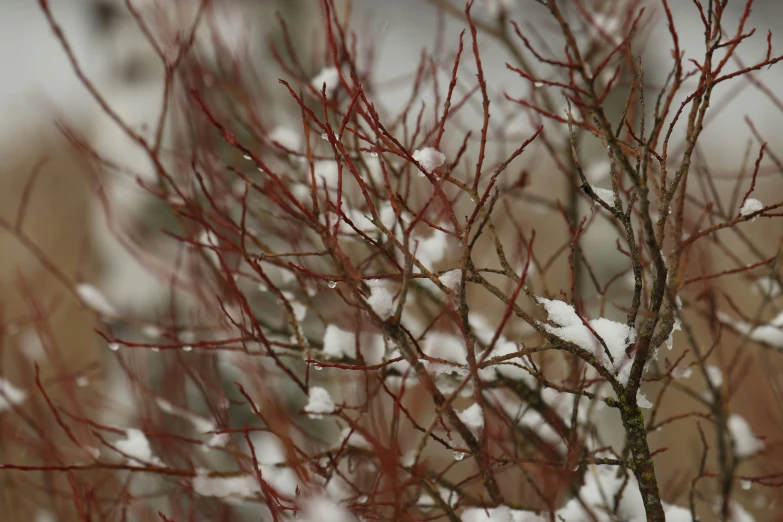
{"x": 32, "y": 64}
{"x": 33, "y": 67}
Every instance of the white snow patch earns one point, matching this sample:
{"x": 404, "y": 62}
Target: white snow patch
{"x": 299, "y": 309}
{"x": 94, "y": 299}
{"x": 452, "y": 279}
{"x": 482, "y": 328}
{"x": 770, "y": 333}
{"x": 527, "y": 516}
{"x": 199, "y": 423}
{"x": 498, "y": 514}
{"x": 341, "y": 343}
{"x": 526, "y": 417}
{"x": 565, "y": 403}
{"x": 361, "y": 220}
{"x": 450, "y": 497}
{"x": 210, "y": 242}
{"x": 279, "y": 276}
{"x": 768, "y": 286}
{"x": 152, "y": 331}
{"x": 381, "y": 301}
{"x": 601, "y": 484}
{"x": 386, "y": 215}
{"x": 374, "y": 169}
{"x": 31, "y": 345}
{"x": 714, "y": 375}
{"x": 436, "y": 367}
{"x": 326, "y": 172}
{"x": 751, "y": 206}
{"x": 270, "y": 452}
{"x": 677, "y": 326}
{"x": 609, "y": 24}
{"x": 431, "y": 250}
{"x": 676, "y": 513}
{"x": 319, "y": 403}
{"x": 616, "y": 336}
{"x": 745, "y": 442}
{"x": 338, "y": 343}
{"x": 10, "y": 395}
{"x": 302, "y": 192}
{"x": 355, "y": 439}
{"x": 605, "y": 194}
{"x": 643, "y": 401}
{"x": 136, "y": 447}
{"x": 560, "y": 312}
{"x": 682, "y": 373}
{"x": 445, "y": 346}
{"x": 473, "y": 418}
{"x": 429, "y": 158}
{"x": 338, "y": 488}
{"x": 320, "y": 508}
{"x": 512, "y": 368}
{"x": 737, "y": 513}
{"x": 329, "y": 76}
{"x": 287, "y": 137}
{"x": 230, "y": 488}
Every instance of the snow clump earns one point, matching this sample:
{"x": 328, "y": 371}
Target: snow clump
{"x": 429, "y": 158}
{"x": 616, "y": 336}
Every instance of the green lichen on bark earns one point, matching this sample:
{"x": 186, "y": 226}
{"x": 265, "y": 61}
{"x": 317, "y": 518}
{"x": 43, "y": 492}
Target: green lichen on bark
{"x": 641, "y": 461}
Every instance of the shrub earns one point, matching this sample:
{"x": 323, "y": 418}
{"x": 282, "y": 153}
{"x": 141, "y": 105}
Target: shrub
{"x": 402, "y": 314}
